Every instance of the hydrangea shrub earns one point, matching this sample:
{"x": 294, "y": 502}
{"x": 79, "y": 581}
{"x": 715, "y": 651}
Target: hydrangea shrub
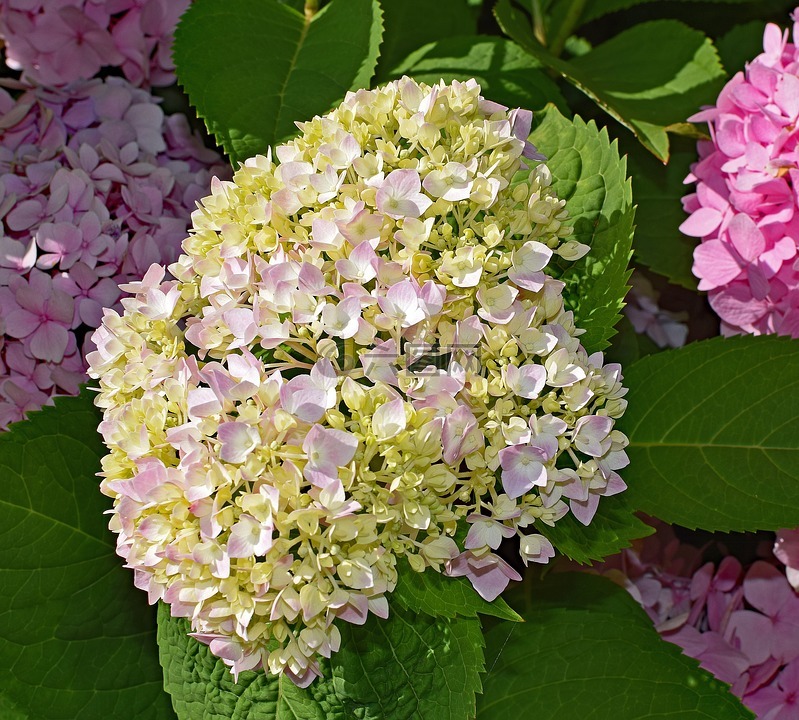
{"x": 57, "y": 43}
{"x": 744, "y": 206}
{"x": 286, "y": 388}
{"x": 96, "y": 185}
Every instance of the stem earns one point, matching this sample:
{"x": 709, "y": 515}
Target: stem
{"x": 311, "y": 8}
{"x": 539, "y": 28}
{"x": 570, "y": 22}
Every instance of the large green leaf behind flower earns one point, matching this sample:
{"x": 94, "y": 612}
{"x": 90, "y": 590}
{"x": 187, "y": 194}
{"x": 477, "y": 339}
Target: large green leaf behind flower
{"x": 714, "y": 434}
{"x": 409, "y": 667}
{"x": 650, "y": 78}
{"x": 254, "y": 67}
{"x": 77, "y": 640}
{"x": 506, "y": 73}
{"x": 587, "y": 650}
{"x": 588, "y": 173}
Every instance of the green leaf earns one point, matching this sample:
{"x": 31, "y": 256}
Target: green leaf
{"x": 587, "y": 650}
{"x": 506, "y": 73}
{"x": 409, "y": 24}
{"x": 254, "y": 67}
{"x": 589, "y": 174}
{"x": 658, "y": 189}
{"x": 637, "y": 77}
{"x": 434, "y": 594}
{"x": 612, "y": 529}
{"x": 740, "y": 45}
{"x": 597, "y": 8}
{"x": 77, "y": 640}
{"x": 409, "y": 667}
{"x": 714, "y": 434}
{"x": 202, "y": 687}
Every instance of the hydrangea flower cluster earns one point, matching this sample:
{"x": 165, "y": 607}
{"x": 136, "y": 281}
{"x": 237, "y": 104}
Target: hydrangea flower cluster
{"x": 95, "y": 185}
{"x": 742, "y": 626}
{"x": 745, "y": 204}
{"x": 361, "y": 353}
{"x": 55, "y": 43}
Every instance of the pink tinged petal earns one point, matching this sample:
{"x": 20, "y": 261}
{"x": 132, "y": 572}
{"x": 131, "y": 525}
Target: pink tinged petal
{"x": 522, "y": 469}
{"x": 746, "y": 237}
{"x": 21, "y": 323}
{"x": 715, "y": 265}
{"x": 787, "y": 95}
{"x": 702, "y": 222}
{"x": 203, "y": 402}
{"x": 486, "y": 532}
{"x": 751, "y": 632}
{"x": 355, "y": 610}
{"x": 527, "y": 381}
{"x": 399, "y": 196}
{"x": 460, "y": 435}
{"x": 489, "y": 574}
{"x": 249, "y": 537}
{"x": 536, "y": 548}
{"x": 238, "y": 440}
{"x": 591, "y": 434}
{"x": 17, "y": 255}
{"x": 584, "y": 510}
{"x": 389, "y": 420}
{"x": 25, "y": 215}
{"x": 329, "y": 449}
{"x": 736, "y": 305}
{"x": 765, "y": 588}
{"x": 307, "y": 403}
{"x": 49, "y": 342}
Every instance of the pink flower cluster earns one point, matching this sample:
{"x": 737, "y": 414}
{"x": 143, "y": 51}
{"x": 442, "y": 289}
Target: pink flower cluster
{"x": 55, "y": 42}
{"x": 742, "y": 626}
{"x": 745, "y": 204}
{"x": 96, "y": 184}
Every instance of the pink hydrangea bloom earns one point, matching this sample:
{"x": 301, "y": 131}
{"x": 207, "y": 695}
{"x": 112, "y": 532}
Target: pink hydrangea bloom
{"x": 96, "y": 184}
{"x": 745, "y": 205}
{"x": 742, "y": 624}
{"x": 60, "y": 42}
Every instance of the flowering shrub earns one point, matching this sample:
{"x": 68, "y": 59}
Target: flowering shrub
{"x": 743, "y": 626}
{"x": 96, "y": 185}
{"x": 266, "y": 482}
{"x": 55, "y": 43}
{"x": 744, "y": 207}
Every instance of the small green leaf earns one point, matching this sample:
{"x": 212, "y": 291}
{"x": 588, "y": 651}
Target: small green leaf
{"x": 587, "y": 650}
{"x": 434, "y": 594}
{"x": 506, "y": 73}
{"x": 612, "y": 529}
{"x": 658, "y": 189}
{"x": 588, "y": 173}
{"x": 77, "y": 640}
{"x": 408, "y": 667}
{"x": 409, "y": 24}
{"x": 638, "y": 77}
{"x": 714, "y": 434}
{"x": 252, "y": 68}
